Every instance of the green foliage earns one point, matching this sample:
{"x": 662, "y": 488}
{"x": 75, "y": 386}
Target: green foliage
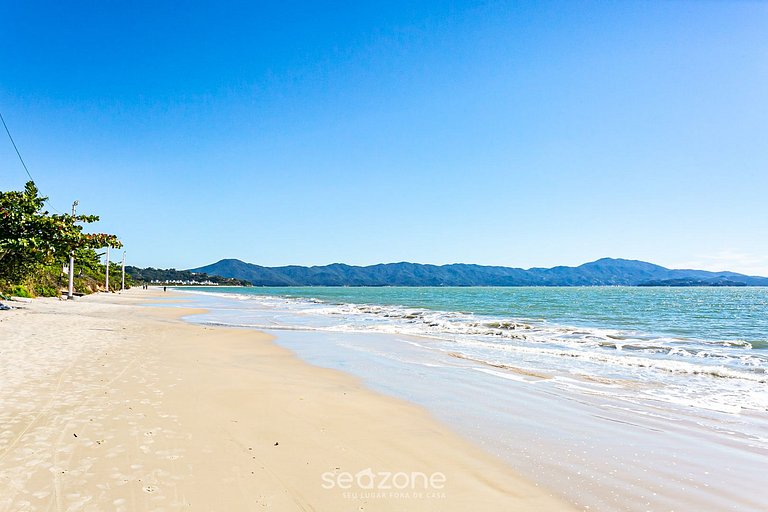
{"x": 88, "y": 260}
{"x": 20, "y": 291}
{"x": 46, "y": 281}
{"x": 47, "y": 291}
{"x": 31, "y": 239}
{"x": 25, "y": 233}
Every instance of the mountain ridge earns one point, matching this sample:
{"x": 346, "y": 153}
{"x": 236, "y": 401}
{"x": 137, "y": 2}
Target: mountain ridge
{"x": 601, "y": 272}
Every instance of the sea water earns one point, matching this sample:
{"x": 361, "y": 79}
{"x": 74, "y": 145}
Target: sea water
{"x": 617, "y": 398}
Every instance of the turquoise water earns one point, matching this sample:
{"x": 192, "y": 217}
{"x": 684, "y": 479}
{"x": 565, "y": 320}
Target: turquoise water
{"x": 734, "y": 314}
{"x": 708, "y": 346}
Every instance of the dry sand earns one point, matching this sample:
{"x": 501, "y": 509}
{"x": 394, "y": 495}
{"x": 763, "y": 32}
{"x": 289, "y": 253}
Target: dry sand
{"x": 109, "y": 405}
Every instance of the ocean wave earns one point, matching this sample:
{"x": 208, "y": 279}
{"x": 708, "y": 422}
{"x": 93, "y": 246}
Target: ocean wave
{"x": 754, "y": 374}
{"x": 733, "y": 359}
{"x": 727, "y": 376}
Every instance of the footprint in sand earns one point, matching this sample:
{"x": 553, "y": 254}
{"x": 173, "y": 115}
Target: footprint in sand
{"x": 150, "y": 488}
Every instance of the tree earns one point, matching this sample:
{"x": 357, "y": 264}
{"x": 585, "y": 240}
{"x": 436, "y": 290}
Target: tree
{"x": 31, "y": 237}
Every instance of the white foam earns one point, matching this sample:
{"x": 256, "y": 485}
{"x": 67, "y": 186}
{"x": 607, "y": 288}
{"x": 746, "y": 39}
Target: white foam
{"x": 719, "y": 374}
{"x": 505, "y": 375}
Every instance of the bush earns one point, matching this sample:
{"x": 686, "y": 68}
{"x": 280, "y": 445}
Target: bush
{"x": 19, "y": 290}
{"x": 47, "y": 291}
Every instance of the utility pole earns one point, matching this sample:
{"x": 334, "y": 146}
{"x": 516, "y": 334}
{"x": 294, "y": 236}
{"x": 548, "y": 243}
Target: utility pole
{"x": 71, "y": 289}
{"x": 122, "y": 286}
{"x": 107, "y": 284}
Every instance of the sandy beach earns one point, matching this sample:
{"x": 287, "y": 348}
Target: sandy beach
{"x": 107, "y": 404}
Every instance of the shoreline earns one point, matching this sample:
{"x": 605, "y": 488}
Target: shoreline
{"x": 109, "y": 404}
{"x": 607, "y": 444}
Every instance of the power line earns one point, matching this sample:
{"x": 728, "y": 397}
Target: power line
{"x": 14, "y": 147}
{"x": 21, "y": 159}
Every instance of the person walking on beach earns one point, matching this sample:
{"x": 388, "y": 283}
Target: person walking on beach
{"x": 163, "y": 288}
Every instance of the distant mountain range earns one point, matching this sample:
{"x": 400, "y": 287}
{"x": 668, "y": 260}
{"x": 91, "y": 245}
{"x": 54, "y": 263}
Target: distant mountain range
{"x": 603, "y": 272}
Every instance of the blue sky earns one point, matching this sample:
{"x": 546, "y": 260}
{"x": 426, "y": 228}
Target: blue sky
{"x": 507, "y": 133}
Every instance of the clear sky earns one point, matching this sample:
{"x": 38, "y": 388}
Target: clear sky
{"x": 507, "y": 133}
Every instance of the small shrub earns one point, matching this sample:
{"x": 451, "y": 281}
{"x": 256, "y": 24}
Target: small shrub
{"x": 47, "y": 291}
{"x": 19, "y": 290}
